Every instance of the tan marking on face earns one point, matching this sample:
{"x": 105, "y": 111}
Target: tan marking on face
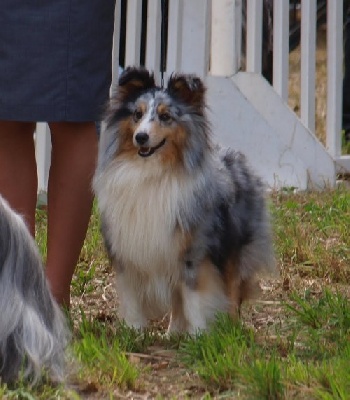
{"x": 142, "y": 106}
{"x": 127, "y": 128}
{"x": 162, "y": 109}
{"x": 126, "y": 131}
{"x": 172, "y": 153}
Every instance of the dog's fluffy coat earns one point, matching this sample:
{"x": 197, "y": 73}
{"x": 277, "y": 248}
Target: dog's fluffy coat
{"x": 184, "y": 222}
{"x": 33, "y": 331}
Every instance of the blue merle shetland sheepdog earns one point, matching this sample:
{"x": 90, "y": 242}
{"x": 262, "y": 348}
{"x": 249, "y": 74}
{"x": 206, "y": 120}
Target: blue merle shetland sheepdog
{"x": 33, "y": 331}
{"x": 184, "y": 222}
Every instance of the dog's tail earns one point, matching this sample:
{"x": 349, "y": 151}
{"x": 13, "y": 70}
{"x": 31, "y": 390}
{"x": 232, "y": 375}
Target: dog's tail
{"x": 33, "y": 330}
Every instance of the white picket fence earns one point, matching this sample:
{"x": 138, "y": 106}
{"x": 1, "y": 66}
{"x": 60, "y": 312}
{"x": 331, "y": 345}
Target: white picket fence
{"x": 204, "y": 37}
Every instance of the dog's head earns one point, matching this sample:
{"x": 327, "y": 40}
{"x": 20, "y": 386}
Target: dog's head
{"x": 169, "y": 124}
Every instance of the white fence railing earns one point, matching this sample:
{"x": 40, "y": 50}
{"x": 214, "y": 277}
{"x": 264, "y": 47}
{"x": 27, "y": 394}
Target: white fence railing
{"x": 308, "y": 28}
{"x": 204, "y": 37}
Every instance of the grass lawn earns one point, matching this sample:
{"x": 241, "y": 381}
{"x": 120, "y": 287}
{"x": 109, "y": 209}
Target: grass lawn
{"x": 292, "y": 342}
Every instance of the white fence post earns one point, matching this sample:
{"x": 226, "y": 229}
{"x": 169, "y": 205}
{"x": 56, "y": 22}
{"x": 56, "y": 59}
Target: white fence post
{"x": 281, "y": 47}
{"x": 254, "y": 35}
{"x": 225, "y": 37}
{"x": 308, "y": 63}
{"x": 238, "y": 35}
{"x": 196, "y": 37}
{"x": 133, "y": 32}
{"x": 174, "y": 36}
{"x": 335, "y": 74}
{"x": 154, "y": 19}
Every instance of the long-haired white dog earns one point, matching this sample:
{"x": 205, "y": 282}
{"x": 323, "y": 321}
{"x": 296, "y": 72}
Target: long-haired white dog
{"x": 33, "y": 330}
{"x": 184, "y": 222}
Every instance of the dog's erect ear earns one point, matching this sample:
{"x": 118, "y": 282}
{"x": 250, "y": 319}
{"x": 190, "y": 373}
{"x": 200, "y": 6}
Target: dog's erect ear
{"x": 133, "y": 81}
{"x": 188, "y": 89}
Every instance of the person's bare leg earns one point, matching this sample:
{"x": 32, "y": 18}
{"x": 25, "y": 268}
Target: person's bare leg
{"x": 18, "y": 173}
{"x": 73, "y": 160}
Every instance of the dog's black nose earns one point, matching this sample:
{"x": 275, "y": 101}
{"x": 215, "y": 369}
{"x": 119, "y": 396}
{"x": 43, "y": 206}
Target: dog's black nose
{"x": 141, "y": 138}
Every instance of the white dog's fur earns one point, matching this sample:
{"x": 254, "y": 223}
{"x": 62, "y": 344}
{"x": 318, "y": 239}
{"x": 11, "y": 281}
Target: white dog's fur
{"x": 33, "y": 329}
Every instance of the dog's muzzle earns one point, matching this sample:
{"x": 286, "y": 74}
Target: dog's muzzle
{"x": 146, "y": 151}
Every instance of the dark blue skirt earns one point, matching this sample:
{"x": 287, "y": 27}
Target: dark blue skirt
{"x": 55, "y": 59}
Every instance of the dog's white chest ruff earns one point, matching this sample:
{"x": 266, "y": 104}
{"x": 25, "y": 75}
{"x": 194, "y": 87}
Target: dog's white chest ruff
{"x": 140, "y": 212}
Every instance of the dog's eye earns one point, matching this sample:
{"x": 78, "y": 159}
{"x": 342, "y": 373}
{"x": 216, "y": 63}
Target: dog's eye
{"x": 138, "y": 115}
{"x": 164, "y": 117}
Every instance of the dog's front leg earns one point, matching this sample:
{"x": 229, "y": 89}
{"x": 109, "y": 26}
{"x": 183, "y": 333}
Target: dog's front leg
{"x": 130, "y": 300}
{"x": 178, "y": 322}
{"x": 203, "y": 295}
